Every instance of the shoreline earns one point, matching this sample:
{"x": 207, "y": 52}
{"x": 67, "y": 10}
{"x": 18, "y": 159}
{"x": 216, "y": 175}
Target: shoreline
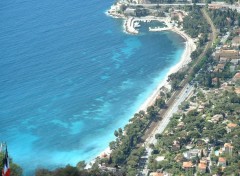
{"x": 190, "y": 46}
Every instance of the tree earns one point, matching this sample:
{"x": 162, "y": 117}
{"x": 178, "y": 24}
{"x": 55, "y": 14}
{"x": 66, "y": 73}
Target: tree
{"x": 174, "y": 85}
{"x": 81, "y": 165}
{"x": 160, "y": 102}
{"x": 116, "y": 133}
{"x": 152, "y": 112}
{"x": 16, "y": 170}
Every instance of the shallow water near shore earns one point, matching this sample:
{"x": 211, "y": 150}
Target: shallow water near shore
{"x": 70, "y": 76}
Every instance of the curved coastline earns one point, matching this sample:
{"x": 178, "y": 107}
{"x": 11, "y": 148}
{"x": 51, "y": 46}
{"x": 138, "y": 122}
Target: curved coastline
{"x": 190, "y": 46}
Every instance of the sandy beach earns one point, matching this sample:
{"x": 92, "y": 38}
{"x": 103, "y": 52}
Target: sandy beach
{"x": 190, "y": 46}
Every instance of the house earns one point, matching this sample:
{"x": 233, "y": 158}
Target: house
{"x": 215, "y": 81}
{"x": 156, "y": 174}
{"x": 201, "y": 108}
{"x": 231, "y": 126}
{"x": 236, "y": 76}
{"x": 187, "y": 165}
{"x": 200, "y": 142}
{"x": 202, "y": 167}
{"x": 176, "y": 145}
{"x": 104, "y": 155}
{"x": 235, "y": 61}
{"x": 130, "y": 12}
{"x": 220, "y": 67}
{"x": 216, "y": 118}
{"x": 228, "y": 148}
{"x": 160, "y": 158}
{"x": 159, "y": 173}
{"x": 237, "y": 31}
{"x": 225, "y": 47}
{"x": 232, "y": 68}
{"x": 223, "y": 60}
{"x": 229, "y": 54}
{"x": 191, "y": 153}
{"x": 222, "y": 162}
{"x": 237, "y": 90}
{"x": 236, "y": 41}
{"x": 181, "y": 125}
{"x": 177, "y": 14}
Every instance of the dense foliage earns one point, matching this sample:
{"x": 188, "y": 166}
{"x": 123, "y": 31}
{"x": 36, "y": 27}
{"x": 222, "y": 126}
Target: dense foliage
{"x": 15, "y": 169}
{"x": 224, "y": 19}
{"x": 198, "y": 127}
{"x": 165, "y": 1}
{"x": 194, "y": 24}
{"x": 71, "y": 171}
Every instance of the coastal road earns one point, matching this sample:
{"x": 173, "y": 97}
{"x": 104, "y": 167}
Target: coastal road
{"x": 174, "y": 4}
{"x": 220, "y": 4}
{"x": 183, "y": 95}
{"x": 176, "y": 99}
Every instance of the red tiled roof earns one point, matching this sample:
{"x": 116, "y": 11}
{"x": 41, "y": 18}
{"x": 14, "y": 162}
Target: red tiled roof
{"x": 221, "y": 159}
{"x": 202, "y": 166}
{"x": 156, "y": 174}
{"x": 237, "y": 75}
{"x": 232, "y": 125}
{"x": 187, "y": 164}
{"x": 228, "y": 145}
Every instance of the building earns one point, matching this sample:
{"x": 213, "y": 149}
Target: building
{"x": 214, "y": 6}
{"x": 220, "y": 67}
{"x": 130, "y": 12}
{"x": 232, "y": 68}
{"x": 237, "y": 31}
{"x": 229, "y": 54}
{"x": 156, "y": 174}
{"x": 236, "y": 41}
{"x": 187, "y": 165}
{"x": 216, "y": 118}
{"x": 201, "y": 108}
{"x": 160, "y": 173}
{"x": 235, "y": 61}
{"x": 191, "y": 153}
{"x": 215, "y": 81}
{"x": 176, "y": 145}
{"x": 181, "y": 125}
{"x": 202, "y": 167}
{"x": 236, "y": 76}
{"x": 228, "y": 148}
{"x": 223, "y": 60}
{"x": 222, "y": 162}
{"x": 231, "y": 126}
{"x": 237, "y": 90}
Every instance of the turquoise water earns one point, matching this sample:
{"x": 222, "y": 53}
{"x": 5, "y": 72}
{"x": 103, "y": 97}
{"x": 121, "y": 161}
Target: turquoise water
{"x": 69, "y": 77}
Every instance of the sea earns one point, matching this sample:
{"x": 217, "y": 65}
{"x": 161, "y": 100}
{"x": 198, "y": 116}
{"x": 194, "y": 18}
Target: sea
{"x": 70, "y": 76}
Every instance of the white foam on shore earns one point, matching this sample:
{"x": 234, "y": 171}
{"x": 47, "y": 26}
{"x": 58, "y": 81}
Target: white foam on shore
{"x": 190, "y": 46}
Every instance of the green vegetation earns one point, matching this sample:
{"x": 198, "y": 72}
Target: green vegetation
{"x": 165, "y": 1}
{"x": 125, "y": 151}
{"x": 71, "y": 171}
{"x": 194, "y": 24}
{"x": 225, "y": 19}
{"x": 199, "y": 131}
{"x": 15, "y": 169}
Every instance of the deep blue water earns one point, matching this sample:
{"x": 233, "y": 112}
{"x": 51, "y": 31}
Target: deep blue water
{"x": 69, "y": 77}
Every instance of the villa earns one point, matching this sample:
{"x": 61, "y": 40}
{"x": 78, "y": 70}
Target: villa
{"x": 228, "y": 148}
{"x": 187, "y": 165}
